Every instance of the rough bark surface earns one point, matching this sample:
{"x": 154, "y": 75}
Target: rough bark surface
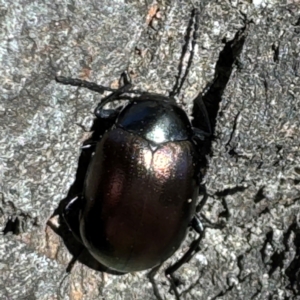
{"x": 246, "y": 63}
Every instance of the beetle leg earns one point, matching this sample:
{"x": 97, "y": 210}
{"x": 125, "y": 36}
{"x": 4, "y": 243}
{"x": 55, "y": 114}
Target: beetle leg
{"x": 194, "y": 248}
{"x": 196, "y": 220}
{"x": 71, "y": 215}
{"x": 200, "y": 134}
{"x": 151, "y": 275}
{"x": 197, "y": 224}
{"x": 106, "y": 113}
{"x": 74, "y": 259}
{"x": 209, "y": 224}
{"x": 89, "y": 145}
{"x": 204, "y": 198}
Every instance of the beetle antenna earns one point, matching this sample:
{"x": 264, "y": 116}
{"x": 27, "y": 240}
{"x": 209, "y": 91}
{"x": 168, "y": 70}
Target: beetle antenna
{"x": 83, "y": 83}
{"x": 115, "y": 95}
{"x": 190, "y": 39}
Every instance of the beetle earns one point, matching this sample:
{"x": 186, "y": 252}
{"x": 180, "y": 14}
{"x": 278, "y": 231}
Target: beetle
{"x": 142, "y": 184}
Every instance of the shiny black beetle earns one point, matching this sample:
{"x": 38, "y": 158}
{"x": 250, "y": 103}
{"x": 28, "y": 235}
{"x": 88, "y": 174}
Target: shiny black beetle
{"x": 142, "y": 184}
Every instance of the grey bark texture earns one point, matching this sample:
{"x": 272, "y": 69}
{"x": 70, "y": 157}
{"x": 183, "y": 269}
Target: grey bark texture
{"x": 253, "y": 177}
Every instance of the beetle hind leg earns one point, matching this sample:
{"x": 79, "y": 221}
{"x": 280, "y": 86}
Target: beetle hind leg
{"x": 193, "y": 249}
{"x": 169, "y": 272}
{"x": 151, "y": 275}
{"x": 196, "y": 224}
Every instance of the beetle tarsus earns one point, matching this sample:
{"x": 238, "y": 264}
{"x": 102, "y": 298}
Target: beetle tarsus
{"x": 151, "y": 275}
{"x": 74, "y": 260}
{"x": 172, "y": 281}
{"x": 126, "y": 78}
{"x": 208, "y": 224}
